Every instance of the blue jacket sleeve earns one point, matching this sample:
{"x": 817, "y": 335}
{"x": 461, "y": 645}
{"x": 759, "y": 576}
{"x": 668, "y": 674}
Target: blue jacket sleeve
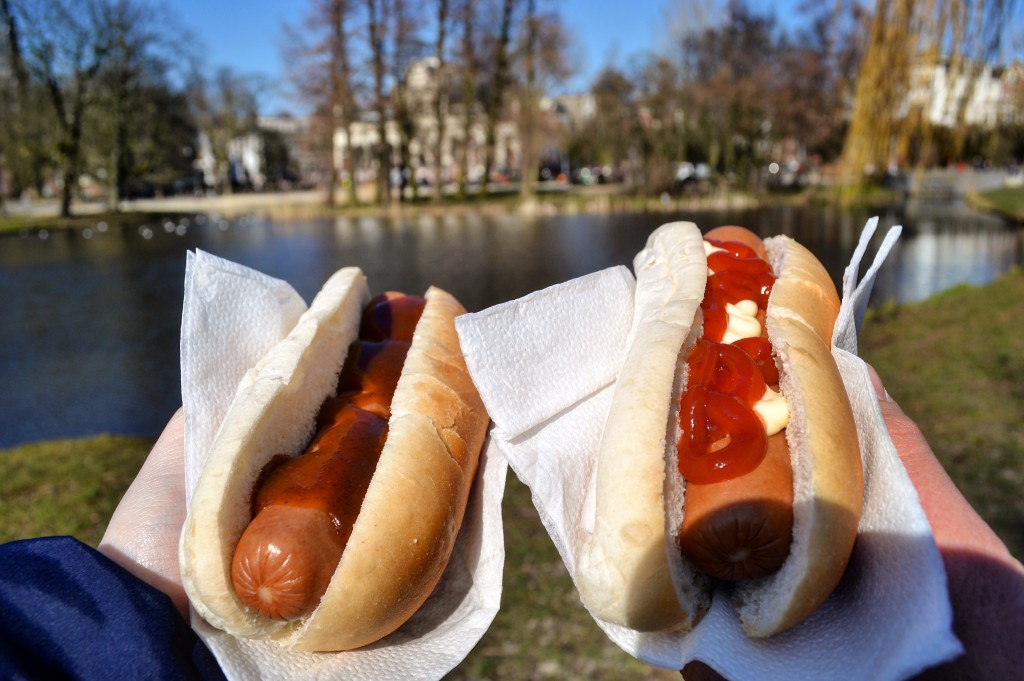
{"x": 69, "y": 612}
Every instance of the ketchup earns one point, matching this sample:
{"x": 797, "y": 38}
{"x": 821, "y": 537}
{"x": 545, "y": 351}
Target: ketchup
{"x": 739, "y": 274}
{"x": 722, "y": 436}
{"x": 352, "y": 426}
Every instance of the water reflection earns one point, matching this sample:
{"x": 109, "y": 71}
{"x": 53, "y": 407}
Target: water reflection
{"x": 89, "y": 333}
{"x": 938, "y": 252}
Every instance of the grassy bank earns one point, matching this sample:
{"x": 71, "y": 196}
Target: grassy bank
{"x": 14, "y": 224}
{"x": 1005, "y": 201}
{"x": 955, "y": 363}
{"x": 963, "y": 383}
{"x": 66, "y": 486}
{"x": 310, "y": 204}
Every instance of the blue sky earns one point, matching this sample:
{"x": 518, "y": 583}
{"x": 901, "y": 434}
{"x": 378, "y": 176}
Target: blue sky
{"x": 246, "y": 35}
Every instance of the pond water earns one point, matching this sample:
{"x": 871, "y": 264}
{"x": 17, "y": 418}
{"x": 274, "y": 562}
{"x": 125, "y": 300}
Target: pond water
{"x": 89, "y": 331}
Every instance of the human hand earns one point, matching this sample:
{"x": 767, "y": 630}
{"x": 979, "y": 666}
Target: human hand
{"x": 143, "y": 532}
{"x": 985, "y": 582}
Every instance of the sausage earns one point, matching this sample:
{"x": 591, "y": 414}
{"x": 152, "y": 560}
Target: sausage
{"x": 391, "y": 315}
{"x": 740, "y": 526}
{"x": 304, "y": 507}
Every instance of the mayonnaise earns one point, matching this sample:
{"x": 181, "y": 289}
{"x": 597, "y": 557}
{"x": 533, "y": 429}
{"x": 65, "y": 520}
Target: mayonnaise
{"x": 773, "y": 410}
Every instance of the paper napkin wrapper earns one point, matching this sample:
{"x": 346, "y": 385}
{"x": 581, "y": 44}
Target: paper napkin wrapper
{"x": 232, "y": 316}
{"x": 545, "y": 365}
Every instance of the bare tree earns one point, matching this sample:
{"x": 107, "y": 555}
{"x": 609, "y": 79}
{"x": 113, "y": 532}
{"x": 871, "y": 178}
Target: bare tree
{"x": 661, "y": 133}
{"x": 342, "y": 98}
{"x": 133, "y": 64}
{"x": 12, "y": 33}
{"x": 470, "y": 67}
{"x": 542, "y": 56}
{"x": 377, "y": 21}
{"x": 440, "y": 96}
{"x": 498, "y": 86}
{"x": 67, "y": 58}
{"x": 92, "y": 92}
{"x": 406, "y": 48}
{"x": 14, "y": 99}
{"x": 225, "y": 108}
{"x": 319, "y": 57}
{"x": 528, "y": 103}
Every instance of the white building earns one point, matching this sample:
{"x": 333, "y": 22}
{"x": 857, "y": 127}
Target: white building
{"x": 420, "y": 88}
{"x": 969, "y": 93}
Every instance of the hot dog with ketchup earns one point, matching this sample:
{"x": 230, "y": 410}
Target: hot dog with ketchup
{"x": 730, "y": 454}
{"x": 334, "y": 491}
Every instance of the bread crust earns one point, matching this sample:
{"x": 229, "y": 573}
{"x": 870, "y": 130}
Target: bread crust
{"x": 628, "y": 570}
{"x": 413, "y": 509}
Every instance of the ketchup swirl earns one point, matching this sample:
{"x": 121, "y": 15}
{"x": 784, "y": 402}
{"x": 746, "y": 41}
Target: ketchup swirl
{"x": 722, "y": 436}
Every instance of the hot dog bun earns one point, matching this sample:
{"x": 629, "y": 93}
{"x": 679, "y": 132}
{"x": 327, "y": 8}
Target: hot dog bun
{"x": 828, "y": 479}
{"x": 413, "y": 508}
{"x": 630, "y": 564}
{"x": 629, "y": 572}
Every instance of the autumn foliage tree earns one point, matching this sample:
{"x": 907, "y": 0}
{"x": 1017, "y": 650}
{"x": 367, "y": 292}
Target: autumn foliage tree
{"x": 889, "y": 127}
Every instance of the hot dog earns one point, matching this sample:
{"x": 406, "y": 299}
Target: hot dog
{"x": 334, "y": 491}
{"x": 778, "y": 525}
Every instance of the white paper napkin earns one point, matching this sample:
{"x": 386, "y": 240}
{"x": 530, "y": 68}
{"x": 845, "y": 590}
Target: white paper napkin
{"x": 889, "y": 618}
{"x": 232, "y": 315}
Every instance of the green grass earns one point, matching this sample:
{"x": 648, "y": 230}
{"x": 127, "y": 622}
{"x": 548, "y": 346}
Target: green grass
{"x": 66, "y": 486}
{"x": 1008, "y": 201}
{"x": 10, "y": 224}
{"x": 955, "y": 363}
{"x": 542, "y": 630}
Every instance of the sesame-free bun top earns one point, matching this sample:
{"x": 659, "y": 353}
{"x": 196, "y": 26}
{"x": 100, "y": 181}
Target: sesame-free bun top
{"x": 628, "y": 570}
{"x": 828, "y": 475}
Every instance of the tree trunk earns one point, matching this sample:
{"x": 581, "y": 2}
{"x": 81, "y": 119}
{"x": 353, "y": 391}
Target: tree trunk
{"x": 497, "y": 94}
{"x": 376, "y": 23}
{"x": 352, "y": 194}
{"x": 528, "y": 133}
{"x": 440, "y": 98}
{"x": 469, "y": 82}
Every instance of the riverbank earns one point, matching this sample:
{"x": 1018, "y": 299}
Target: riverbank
{"x": 550, "y": 200}
{"x": 1007, "y": 201}
{"x": 994, "y": 191}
